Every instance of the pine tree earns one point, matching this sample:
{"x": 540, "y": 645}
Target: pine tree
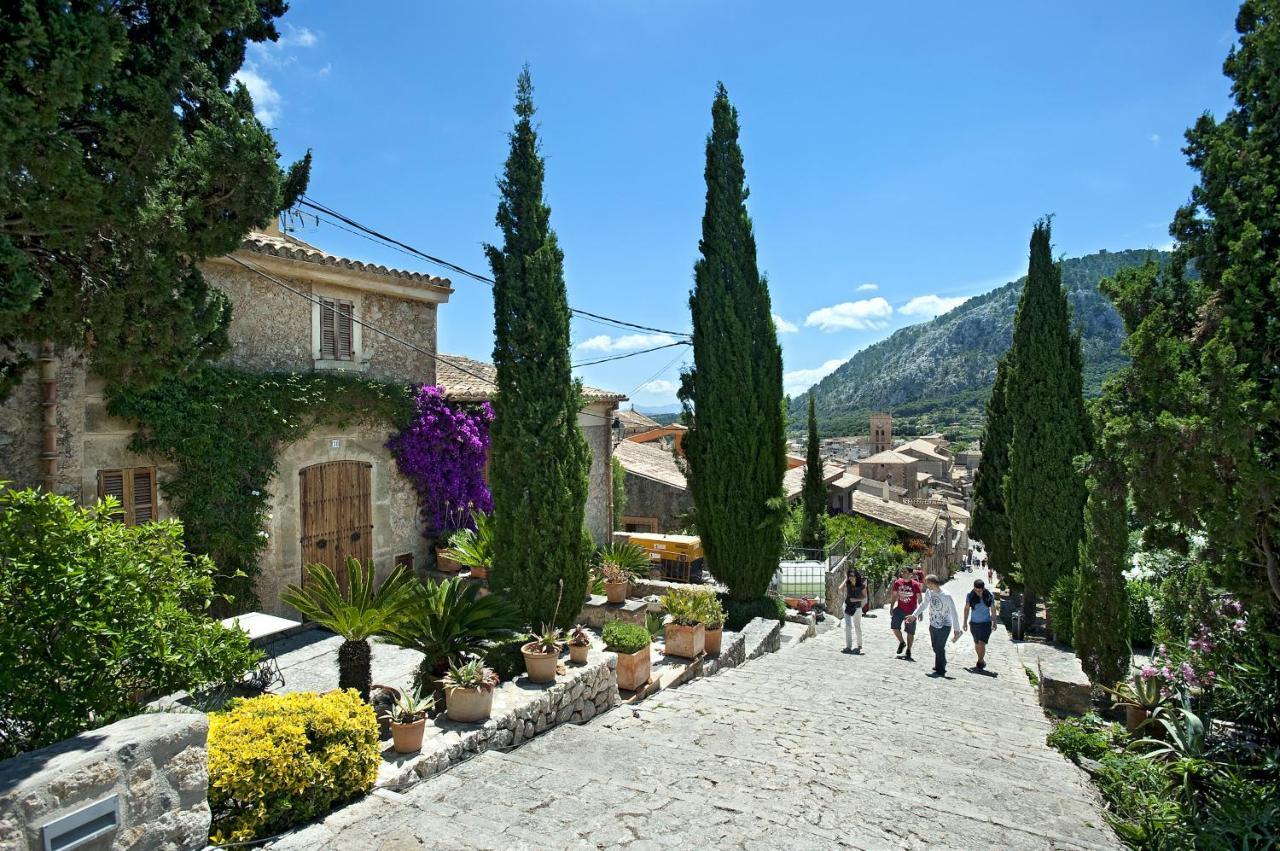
{"x": 1044, "y": 491}
{"x": 990, "y": 517}
{"x": 813, "y": 497}
{"x": 540, "y": 460}
{"x": 1100, "y": 611}
{"x": 733, "y": 394}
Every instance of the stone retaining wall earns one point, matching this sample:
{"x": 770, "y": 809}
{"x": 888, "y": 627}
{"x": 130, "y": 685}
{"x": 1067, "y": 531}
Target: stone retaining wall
{"x": 154, "y": 764}
{"x": 762, "y": 636}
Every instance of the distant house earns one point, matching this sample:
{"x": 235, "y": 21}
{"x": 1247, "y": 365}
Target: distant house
{"x": 896, "y": 468}
{"x": 839, "y": 483}
{"x": 668, "y": 436}
{"x": 634, "y": 422}
{"x": 658, "y": 496}
{"x": 934, "y": 460}
{"x": 933, "y": 532}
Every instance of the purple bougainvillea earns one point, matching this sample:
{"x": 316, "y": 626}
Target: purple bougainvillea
{"x": 442, "y": 451}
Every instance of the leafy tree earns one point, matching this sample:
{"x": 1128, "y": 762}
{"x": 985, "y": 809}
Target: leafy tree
{"x": 1044, "y": 492}
{"x": 990, "y": 518}
{"x": 813, "y": 497}
{"x": 1100, "y": 611}
{"x": 540, "y": 459}
{"x": 619, "y": 479}
{"x": 732, "y": 396}
{"x": 128, "y": 154}
{"x": 1199, "y": 409}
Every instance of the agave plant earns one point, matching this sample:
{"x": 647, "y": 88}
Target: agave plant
{"x": 579, "y": 637}
{"x": 357, "y": 613}
{"x": 447, "y": 622}
{"x": 471, "y": 674}
{"x": 473, "y": 548}
{"x": 409, "y": 708}
{"x": 548, "y": 640}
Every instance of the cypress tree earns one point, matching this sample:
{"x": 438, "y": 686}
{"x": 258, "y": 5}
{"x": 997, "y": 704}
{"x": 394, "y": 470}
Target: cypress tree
{"x": 732, "y": 395}
{"x": 1100, "y": 611}
{"x": 540, "y": 460}
{"x": 1044, "y": 491}
{"x": 990, "y": 519}
{"x": 813, "y": 497}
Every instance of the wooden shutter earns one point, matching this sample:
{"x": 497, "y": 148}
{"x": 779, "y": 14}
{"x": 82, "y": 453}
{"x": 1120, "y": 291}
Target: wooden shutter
{"x": 135, "y": 489}
{"x": 144, "y": 495}
{"x": 328, "y": 329}
{"x": 343, "y": 338}
{"x": 112, "y": 483}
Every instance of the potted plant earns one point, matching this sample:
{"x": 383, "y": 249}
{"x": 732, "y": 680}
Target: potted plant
{"x": 618, "y": 563}
{"x": 616, "y": 583}
{"x": 541, "y": 654}
{"x": 1140, "y": 698}
{"x": 713, "y": 617}
{"x": 685, "y": 632}
{"x": 631, "y": 643}
{"x": 468, "y": 691}
{"x": 579, "y": 645}
{"x": 409, "y": 721}
{"x": 473, "y": 548}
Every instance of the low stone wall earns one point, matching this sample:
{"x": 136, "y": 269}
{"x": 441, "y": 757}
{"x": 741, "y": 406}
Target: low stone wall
{"x": 762, "y": 636}
{"x": 576, "y": 697}
{"x": 154, "y": 765}
{"x": 733, "y": 652}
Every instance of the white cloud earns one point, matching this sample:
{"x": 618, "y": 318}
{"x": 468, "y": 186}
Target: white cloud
{"x": 931, "y": 305}
{"x": 660, "y": 386}
{"x": 1154, "y": 138}
{"x": 868, "y": 314}
{"x": 266, "y": 100}
{"x": 264, "y": 56}
{"x": 868, "y": 288}
{"x": 300, "y": 36}
{"x": 783, "y": 326}
{"x": 798, "y": 381}
{"x": 605, "y": 343}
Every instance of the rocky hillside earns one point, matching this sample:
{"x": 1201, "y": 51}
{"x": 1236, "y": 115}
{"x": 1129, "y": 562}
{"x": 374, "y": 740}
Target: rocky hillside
{"x": 938, "y": 374}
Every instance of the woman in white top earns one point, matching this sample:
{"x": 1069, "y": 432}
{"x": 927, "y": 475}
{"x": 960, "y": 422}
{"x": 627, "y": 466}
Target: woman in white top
{"x": 940, "y": 609}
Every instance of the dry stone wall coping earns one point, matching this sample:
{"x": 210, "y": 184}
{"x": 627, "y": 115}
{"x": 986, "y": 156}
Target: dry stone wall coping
{"x": 761, "y": 636}
{"x": 1064, "y": 687}
{"x": 155, "y": 763}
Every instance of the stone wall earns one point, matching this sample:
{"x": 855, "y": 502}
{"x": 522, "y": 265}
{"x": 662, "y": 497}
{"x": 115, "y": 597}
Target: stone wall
{"x": 20, "y": 420}
{"x": 649, "y": 498}
{"x": 595, "y": 422}
{"x": 154, "y": 763}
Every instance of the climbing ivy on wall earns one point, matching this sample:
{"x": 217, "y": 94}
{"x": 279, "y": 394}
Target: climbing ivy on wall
{"x": 223, "y": 429}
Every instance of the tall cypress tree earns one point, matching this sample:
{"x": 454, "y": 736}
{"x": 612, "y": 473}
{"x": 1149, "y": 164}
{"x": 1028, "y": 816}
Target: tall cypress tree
{"x": 813, "y": 497}
{"x": 990, "y": 518}
{"x": 1100, "y": 611}
{"x": 733, "y": 394}
{"x": 1044, "y": 492}
{"x": 540, "y": 460}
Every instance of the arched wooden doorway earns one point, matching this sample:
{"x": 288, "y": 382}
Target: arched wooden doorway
{"x": 336, "y": 515}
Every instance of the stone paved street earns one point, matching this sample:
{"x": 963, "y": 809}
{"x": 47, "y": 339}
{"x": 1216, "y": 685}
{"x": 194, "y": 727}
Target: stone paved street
{"x": 805, "y": 748}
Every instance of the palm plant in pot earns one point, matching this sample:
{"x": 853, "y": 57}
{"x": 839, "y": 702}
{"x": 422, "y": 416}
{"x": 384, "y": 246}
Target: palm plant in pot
{"x": 618, "y": 563}
{"x": 712, "y": 615}
{"x": 685, "y": 631}
{"x": 357, "y": 613}
{"x": 408, "y": 718}
{"x": 473, "y": 548}
{"x": 468, "y": 691}
{"x": 631, "y": 642}
{"x": 541, "y": 654}
{"x": 579, "y": 645}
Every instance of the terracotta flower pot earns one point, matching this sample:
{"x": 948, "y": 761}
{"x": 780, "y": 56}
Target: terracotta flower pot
{"x": 685, "y": 641}
{"x": 480, "y": 573}
{"x": 578, "y": 653}
{"x": 616, "y": 592}
{"x": 445, "y": 564}
{"x": 1134, "y": 716}
{"x": 633, "y": 670}
{"x": 407, "y": 738}
{"x": 541, "y": 666}
{"x": 468, "y": 705}
{"x": 711, "y": 640}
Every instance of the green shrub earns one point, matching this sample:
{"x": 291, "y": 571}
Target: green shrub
{"x": 690, "y": 606}
{"x": 279, "y": 760}
{"x": 1061, "y": 600}
{"x": 1087, "y": 736}
{"x": 1184, "y": 601}
{"x": 1141, "y": 626}
{"x": 97, "y": 614}
{"x": 742, "y": 613}
{"x": 623, "y": 637}
{"x": 504, "y": 655}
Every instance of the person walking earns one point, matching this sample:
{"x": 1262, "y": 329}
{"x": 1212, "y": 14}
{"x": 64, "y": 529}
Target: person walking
{"x": 940, "y": 609}
{"x": 906, "y": 596}
{"x": 978, "y": 604}
{"x": 855, "y": 597}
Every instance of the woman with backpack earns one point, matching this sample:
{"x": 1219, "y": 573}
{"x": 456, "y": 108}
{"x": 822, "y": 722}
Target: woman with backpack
{"x": 855, "y": 601}
{"x": 978, "y": 605}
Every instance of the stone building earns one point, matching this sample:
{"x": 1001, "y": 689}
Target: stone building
{"x": 337, "y": 491}
{"x": 934, "y": 459}
{"x": 633, "y": 422}
{"x": 881, "y": 433}
{"x": 934, "y": 530}
{"x": 658, "y": 496}
{"x": 897, "y": 469}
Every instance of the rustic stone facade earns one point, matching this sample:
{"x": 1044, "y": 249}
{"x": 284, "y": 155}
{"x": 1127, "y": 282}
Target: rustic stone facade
{"x": 649, "y": 499}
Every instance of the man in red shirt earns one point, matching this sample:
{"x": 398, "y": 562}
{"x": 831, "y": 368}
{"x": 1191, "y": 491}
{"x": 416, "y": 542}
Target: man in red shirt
{"x": 906, "y": 595}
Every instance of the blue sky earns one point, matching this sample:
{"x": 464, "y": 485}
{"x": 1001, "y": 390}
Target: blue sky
{"x": 897, "y": 154}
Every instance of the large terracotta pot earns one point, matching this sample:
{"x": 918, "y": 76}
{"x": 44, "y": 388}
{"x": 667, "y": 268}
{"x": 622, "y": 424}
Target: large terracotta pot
{"x": 480, "y": 573}
{"x": 1134, "y": 716}
{"x": 633, "y": 670}
{"x": 445, "y": 564}
{"x": 616, "y": 592}
{"x": 578, "y": 653}
{"x": 541, "y": 666}
{"x": 468, "y": 704}
{"x": 407, "y": 738}
{"x": 685, "y": 641}
{"x": 711, "y": 640}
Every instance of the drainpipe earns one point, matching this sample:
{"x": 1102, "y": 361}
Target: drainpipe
{"x": 48, "y": 415}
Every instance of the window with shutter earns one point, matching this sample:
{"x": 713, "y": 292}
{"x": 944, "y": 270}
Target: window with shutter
{"x": 328, "y": 329}
{"x": 343, "y": 339}
{"x": 135, "y": 489}
{"x": 337, "y": 329}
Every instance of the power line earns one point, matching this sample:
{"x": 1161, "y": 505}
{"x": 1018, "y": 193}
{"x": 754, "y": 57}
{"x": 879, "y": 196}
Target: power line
{"x": 627, "y": 355}
{"x": 476, "y": 276}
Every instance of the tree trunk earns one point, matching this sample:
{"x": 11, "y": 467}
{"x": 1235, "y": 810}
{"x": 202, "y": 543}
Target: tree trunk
{"x": 354, "y": 668}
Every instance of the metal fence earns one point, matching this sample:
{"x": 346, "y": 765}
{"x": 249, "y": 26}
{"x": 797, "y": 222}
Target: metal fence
{"x": 804, "y": 573}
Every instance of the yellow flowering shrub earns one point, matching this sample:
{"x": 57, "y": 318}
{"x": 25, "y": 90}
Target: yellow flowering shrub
{"x": 279, "y": 760}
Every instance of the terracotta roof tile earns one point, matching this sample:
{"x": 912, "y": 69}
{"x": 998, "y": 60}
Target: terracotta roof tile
{"x": 292, "y": 248}
{"x": 919, "y": 521}
{"x": 468, "y": 380}
{"x": 650, "y": 461}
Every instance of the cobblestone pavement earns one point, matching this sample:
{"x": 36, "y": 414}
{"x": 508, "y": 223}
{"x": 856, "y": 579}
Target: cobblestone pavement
{"x": 806, "y": 748}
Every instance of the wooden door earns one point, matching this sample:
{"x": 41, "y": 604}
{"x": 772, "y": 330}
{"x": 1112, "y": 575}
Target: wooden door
{"x": 337, "y": 517}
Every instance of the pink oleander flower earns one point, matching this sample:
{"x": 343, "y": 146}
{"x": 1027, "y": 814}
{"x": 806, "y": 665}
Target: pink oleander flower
{"x": 1239, "y": 625}
{"x": 1147, "y": 672}
{"x": 1232, "y": 607}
